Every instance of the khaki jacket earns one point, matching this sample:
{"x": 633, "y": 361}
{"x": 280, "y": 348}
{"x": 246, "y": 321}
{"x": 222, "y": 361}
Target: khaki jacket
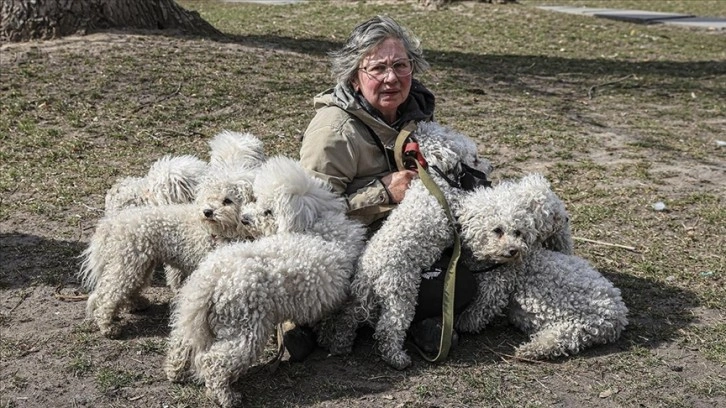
{"x": 339, "y": 148}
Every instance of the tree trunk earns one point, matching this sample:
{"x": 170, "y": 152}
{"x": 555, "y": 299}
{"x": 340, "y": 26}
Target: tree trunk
{"x": 22, "y": 20}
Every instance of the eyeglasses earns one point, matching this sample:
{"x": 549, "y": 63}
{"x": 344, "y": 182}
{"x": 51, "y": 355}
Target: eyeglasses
{"x": 379, "y": 72}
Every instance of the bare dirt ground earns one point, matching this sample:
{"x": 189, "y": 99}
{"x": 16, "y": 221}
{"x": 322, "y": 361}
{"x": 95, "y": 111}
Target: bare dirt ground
{"x": 81, "y": 111}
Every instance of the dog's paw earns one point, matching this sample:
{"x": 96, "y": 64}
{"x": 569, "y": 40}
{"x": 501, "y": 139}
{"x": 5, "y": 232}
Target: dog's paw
{"x": 176, "y": 371}
{"x": 468, "y": 323}
{"x": 177, "y": 362}
{"x": 547, "y": 343}
{"x": 399, "y": 360}
{"x": 535, "y": 351}
{"x": 177, "y": 376}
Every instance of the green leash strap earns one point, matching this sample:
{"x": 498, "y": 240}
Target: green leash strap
{"x": 447, "y": 307}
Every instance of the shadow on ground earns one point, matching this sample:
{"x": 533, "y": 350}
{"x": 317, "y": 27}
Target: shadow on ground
{"x": 503, "y": 66}
{"x": 30, "y": 259}
{"x": 657, "y": 313}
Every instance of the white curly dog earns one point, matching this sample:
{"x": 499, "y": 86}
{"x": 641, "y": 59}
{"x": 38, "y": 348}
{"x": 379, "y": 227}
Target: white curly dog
{"x": 415, "y": 234}
{"x": 298, "y": 268}
{"x": 174, "y": 179}
{"x": 127, "y": 246}
{"x": 559, "y": 299}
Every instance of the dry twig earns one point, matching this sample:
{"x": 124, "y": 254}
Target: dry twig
{"x": 163, "y": 98}
{"x": 591, "y": 91}
{"x": 592, "y": 241}
{"x": 68, "y": 298}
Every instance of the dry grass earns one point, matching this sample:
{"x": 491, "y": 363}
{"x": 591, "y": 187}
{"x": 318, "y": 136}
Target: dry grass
{"x": 618, "y": 116}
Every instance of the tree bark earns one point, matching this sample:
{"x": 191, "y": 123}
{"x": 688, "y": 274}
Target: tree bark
{"x": 22, "y": 20}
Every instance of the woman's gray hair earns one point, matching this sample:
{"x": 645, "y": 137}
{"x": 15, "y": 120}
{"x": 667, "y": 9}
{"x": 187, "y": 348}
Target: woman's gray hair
{"x": 365, "y": 38}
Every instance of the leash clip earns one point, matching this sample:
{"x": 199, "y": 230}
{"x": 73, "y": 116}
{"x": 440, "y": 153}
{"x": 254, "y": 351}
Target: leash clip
{"x": 411, "y": 155}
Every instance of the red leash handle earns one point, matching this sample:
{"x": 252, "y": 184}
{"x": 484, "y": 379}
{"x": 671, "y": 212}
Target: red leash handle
{"x": 411, "y": 155}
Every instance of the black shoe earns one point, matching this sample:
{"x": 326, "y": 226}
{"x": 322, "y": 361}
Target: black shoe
{"x": 299, "y": 342}
{"x": 426, "y": 334}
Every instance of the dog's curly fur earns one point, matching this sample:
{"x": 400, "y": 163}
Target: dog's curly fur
{"x": 497, "y": 225}
{"x": 231, "y": 149}
{"x": 174, "y": 179}
{"x": 298, "y": 268}
{"x": 582, "y": 309}
{"x": 557, "y": 298}
{"x": 127, "y": 246}
{"x": 170, "y": 180}
{"x": 412, "y": 238}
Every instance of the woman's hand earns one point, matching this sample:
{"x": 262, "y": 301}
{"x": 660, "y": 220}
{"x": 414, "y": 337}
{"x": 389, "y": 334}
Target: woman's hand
{"x": 397, "y": 183}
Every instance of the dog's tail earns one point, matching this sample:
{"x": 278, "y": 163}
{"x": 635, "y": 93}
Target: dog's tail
{"x": 174, "y": 179}
{"x": 235, "y": 149}
{"x": 191, "y": 310}
{"x": 93, "y": 260}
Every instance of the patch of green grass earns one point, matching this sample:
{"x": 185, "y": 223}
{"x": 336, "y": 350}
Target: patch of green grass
{"x": 84, "y": 334}
{"x": 711, "y": 339}
{"x": 488, "y": 385}
{"x": 152, "y": 346}
{"x": 710, "y": 387}
{"x": 188, "y": 395}
{"x": 423, "y": 391}
{"x": 80, "y": 366}
{"x": 111, "y": 379}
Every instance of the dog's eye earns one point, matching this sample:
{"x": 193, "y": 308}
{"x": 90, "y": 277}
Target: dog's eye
{"x": 226, "y": 201}
{"x": 498, "y": 232}
{"x": 267, "y": 213}
{"x": 517, "y": 233}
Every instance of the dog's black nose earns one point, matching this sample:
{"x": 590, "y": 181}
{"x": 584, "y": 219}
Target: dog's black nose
{"x": 245, "y": 220}
{"x": 513, "y": 252}
{"x": 208, "y": 213}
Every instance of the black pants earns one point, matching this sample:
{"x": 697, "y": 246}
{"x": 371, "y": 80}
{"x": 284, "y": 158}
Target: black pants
{"x": 431, "y": 291}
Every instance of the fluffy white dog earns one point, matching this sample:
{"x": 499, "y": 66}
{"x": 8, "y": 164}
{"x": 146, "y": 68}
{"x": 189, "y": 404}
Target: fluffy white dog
{"x": 413, "y": 237}
{"x": 559, "y": 299}
{"x": 174, "y": 179}
{"x": 298, "y": 268}
{"x": 127, "y": 246}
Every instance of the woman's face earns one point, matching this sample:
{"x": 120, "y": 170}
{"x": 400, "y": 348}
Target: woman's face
{"x": 388, "y": 93}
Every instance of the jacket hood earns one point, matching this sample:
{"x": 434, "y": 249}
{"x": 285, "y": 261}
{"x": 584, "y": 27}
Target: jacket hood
{"x": 418, "y": 106}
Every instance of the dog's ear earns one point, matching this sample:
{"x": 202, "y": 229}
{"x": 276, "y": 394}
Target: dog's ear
{"x": 546, "y": 210}
{"x": 243, "y": 192}
{"x": 472, "y": 214}
{"x": 299, "y": 198}
{"x": 294, "y": 213}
